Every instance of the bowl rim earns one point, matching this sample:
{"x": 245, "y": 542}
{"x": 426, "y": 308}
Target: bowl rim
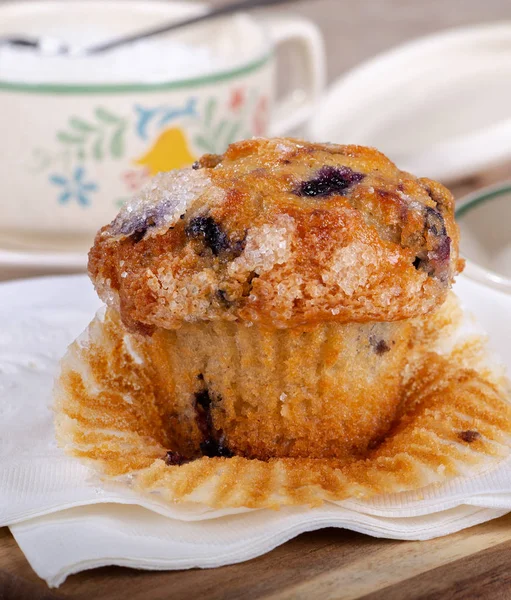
{"x": 478, "y": 197}
{"x": 259, "y": 60}
{"x": 474, "y": 270}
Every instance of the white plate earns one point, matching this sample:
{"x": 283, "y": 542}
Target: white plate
{"x": 30, "y": 263}
{"x": 50, "y": 260}
{"x": 72, "y": 291}
{"x": 437, "y": 106}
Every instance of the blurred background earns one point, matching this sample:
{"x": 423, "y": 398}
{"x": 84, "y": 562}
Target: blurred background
{"x": 459, "y": 104}
{"x": 355, "y": 31}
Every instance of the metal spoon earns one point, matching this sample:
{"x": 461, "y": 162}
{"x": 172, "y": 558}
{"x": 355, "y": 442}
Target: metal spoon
{"x": 51, "y": 46}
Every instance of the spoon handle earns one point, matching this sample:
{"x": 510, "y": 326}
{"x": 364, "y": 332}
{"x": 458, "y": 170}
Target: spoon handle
{"x": 226, "y": 9}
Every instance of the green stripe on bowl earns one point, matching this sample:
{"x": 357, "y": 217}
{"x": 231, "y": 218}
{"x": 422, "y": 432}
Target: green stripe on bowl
{"x": 478, "y": 198}
{"x": 122, "y": 88}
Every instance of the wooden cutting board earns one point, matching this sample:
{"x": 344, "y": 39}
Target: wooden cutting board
{"x": 331, "y": 563}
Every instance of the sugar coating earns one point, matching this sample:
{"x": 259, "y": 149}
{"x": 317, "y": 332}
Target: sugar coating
{"x": 161, "y": 202}
{"x": 187, "y": 295}
{"x": 265, "y": 247}
{"x": 280, "y": 232}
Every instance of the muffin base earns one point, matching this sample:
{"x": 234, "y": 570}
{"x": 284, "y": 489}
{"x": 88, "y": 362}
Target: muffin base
{"x": 112, "y": 410}
{"x": 323, "y": 391}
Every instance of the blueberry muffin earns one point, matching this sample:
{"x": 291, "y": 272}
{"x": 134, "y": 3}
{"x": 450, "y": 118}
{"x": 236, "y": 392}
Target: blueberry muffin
{"x": 277, "y": 287}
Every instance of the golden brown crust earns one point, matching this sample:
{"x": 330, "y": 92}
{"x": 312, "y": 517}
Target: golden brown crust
{"x": 281, "y": 232}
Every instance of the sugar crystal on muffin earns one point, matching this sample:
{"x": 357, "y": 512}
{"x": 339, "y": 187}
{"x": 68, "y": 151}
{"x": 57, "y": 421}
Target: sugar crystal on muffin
{"x": 277, "y": 226}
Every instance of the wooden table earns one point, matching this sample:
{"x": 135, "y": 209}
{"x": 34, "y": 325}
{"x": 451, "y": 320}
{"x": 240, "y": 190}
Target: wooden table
{"x": 330, "y": 563}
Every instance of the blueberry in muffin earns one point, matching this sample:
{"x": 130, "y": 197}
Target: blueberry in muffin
{"x": 276, "y": 287}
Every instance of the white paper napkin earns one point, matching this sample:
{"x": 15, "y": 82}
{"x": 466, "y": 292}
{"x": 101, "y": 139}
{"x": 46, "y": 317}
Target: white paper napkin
{"x": 65, "y": 520}
{"x": 84, "y": 538}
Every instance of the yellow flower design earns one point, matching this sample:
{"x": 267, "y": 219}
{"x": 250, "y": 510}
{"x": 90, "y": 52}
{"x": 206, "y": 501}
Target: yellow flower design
{"x": 170, "y": 151}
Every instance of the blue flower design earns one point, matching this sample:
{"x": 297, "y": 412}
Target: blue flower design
{"x": 74, "y": 187}
{"x": 161, "y": 115}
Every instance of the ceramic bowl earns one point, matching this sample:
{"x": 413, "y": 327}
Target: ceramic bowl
{"x": 484, "y": 218}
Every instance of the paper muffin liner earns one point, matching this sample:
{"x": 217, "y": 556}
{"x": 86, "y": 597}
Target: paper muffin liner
{"x": 455, "y": 420}
{"x": 327, "y": 390}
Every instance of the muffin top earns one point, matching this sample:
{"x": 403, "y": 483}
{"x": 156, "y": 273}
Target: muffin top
{"x": 282, "y": 232}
